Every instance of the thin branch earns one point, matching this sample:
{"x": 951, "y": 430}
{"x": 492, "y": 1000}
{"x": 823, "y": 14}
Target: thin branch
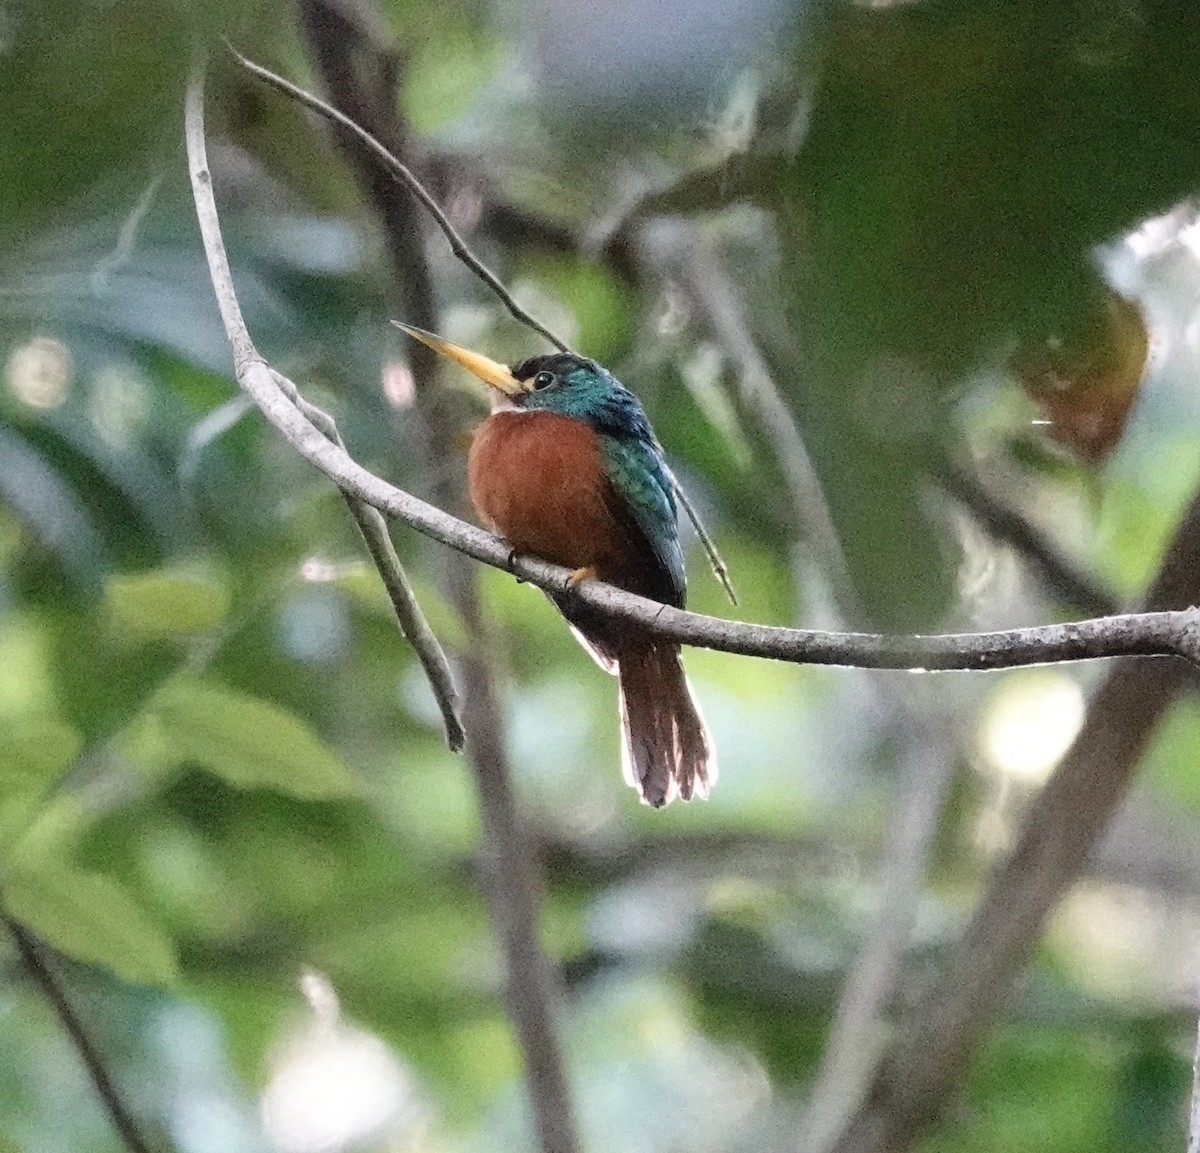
{"x": 370, "y": 524}
{"x": 413, "y": 625}
{"x": 43, "y": 976}
{"x": 715, "y": 560}
{"x": 405, "y": 176}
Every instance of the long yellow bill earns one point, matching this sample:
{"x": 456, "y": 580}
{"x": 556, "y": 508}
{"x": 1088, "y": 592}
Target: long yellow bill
{"x": 491, "y": 372}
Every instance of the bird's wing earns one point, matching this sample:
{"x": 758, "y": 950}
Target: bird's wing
{"x": 640, "y": 499}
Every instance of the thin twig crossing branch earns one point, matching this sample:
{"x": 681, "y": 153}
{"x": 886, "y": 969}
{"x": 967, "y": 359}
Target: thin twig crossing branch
{"x": 405, "y": 176}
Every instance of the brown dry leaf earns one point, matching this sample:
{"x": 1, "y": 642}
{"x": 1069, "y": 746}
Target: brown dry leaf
{"x": 1086, "y": 383}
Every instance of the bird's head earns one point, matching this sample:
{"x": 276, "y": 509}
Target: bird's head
{"x": 560, "y": 382}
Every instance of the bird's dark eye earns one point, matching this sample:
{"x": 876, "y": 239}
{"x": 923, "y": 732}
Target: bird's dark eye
{"x": 543, "y": 380}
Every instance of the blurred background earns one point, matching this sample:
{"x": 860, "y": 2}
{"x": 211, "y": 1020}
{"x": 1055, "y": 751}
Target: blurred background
{"x": 909, "y": 291}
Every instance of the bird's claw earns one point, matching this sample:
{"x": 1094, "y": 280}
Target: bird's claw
{"x": 510, "y": 563}
{"x": 587, "y": 573}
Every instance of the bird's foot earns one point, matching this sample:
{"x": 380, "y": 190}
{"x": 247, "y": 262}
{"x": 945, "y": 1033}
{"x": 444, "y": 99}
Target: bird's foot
{"x": 510, "y": 564}
{"x": 587, "y": 573}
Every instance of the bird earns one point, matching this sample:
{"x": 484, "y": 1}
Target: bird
{"x": 566, "y": 468}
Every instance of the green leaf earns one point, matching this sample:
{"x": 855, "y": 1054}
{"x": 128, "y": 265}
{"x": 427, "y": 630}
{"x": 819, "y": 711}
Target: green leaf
{"x": 445, "y": 74}
{"x": 34, "y": 750}
{"x": 1169, "y": 764}
{"x": 595, "y": 298}
{"x": 89, "y": 917}
{"x": 249, "y": 742}
{"x": 160, "y": 604}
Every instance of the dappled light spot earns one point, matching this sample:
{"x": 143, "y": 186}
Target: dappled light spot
{"x": 318, "y": 570}
{"x": 1030, "y": 723}
{"x": 334, "y": 1085}
{"x": 119, "y": 403}
{"x": 398, "y": 385}
{"x": 1123, "y": 941}
{"x": 314, "y": 626}
{"x": 39, "y": 372}
{"x": 671, "y": 311}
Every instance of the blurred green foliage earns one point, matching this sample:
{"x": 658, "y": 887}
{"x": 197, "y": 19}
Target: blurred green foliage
{"x": 219, "y": 765}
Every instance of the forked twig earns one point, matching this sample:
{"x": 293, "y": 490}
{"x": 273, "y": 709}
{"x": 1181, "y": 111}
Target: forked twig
{"x": 247, "y": 358}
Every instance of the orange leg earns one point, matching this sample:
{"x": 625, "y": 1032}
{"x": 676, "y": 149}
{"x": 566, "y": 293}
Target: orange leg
{"x": 587, "y": 573}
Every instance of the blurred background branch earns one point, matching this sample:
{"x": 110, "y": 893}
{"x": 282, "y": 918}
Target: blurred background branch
{"x": 360, "y": 74}
{"x": 38, "y": 967}
{"x": 926, "y": 1059}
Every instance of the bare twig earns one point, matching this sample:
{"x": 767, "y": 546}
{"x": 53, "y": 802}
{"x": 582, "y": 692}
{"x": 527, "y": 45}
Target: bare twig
{"x": 370, "y": 523}
{"x": 715, "y": 559}
{"x": 39, "y": 969}
{"x": 930, "y": 1053}
{"x": 412, "y": 622}
{"x": 405, "y": 176}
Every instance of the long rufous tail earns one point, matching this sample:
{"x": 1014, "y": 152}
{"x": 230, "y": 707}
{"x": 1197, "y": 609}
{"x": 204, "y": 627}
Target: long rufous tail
{"x": 665, "y": 747}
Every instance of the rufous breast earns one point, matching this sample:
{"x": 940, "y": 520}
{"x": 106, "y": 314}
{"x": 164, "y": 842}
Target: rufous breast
{"x": 539, "y": 480}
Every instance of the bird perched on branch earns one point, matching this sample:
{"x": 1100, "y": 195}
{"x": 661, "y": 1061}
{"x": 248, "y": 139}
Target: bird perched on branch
{"x": 567, "y": 468}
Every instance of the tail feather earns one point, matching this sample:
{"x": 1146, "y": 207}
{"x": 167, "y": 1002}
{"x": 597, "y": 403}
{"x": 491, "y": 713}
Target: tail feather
{"x": 665, "y": 748}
